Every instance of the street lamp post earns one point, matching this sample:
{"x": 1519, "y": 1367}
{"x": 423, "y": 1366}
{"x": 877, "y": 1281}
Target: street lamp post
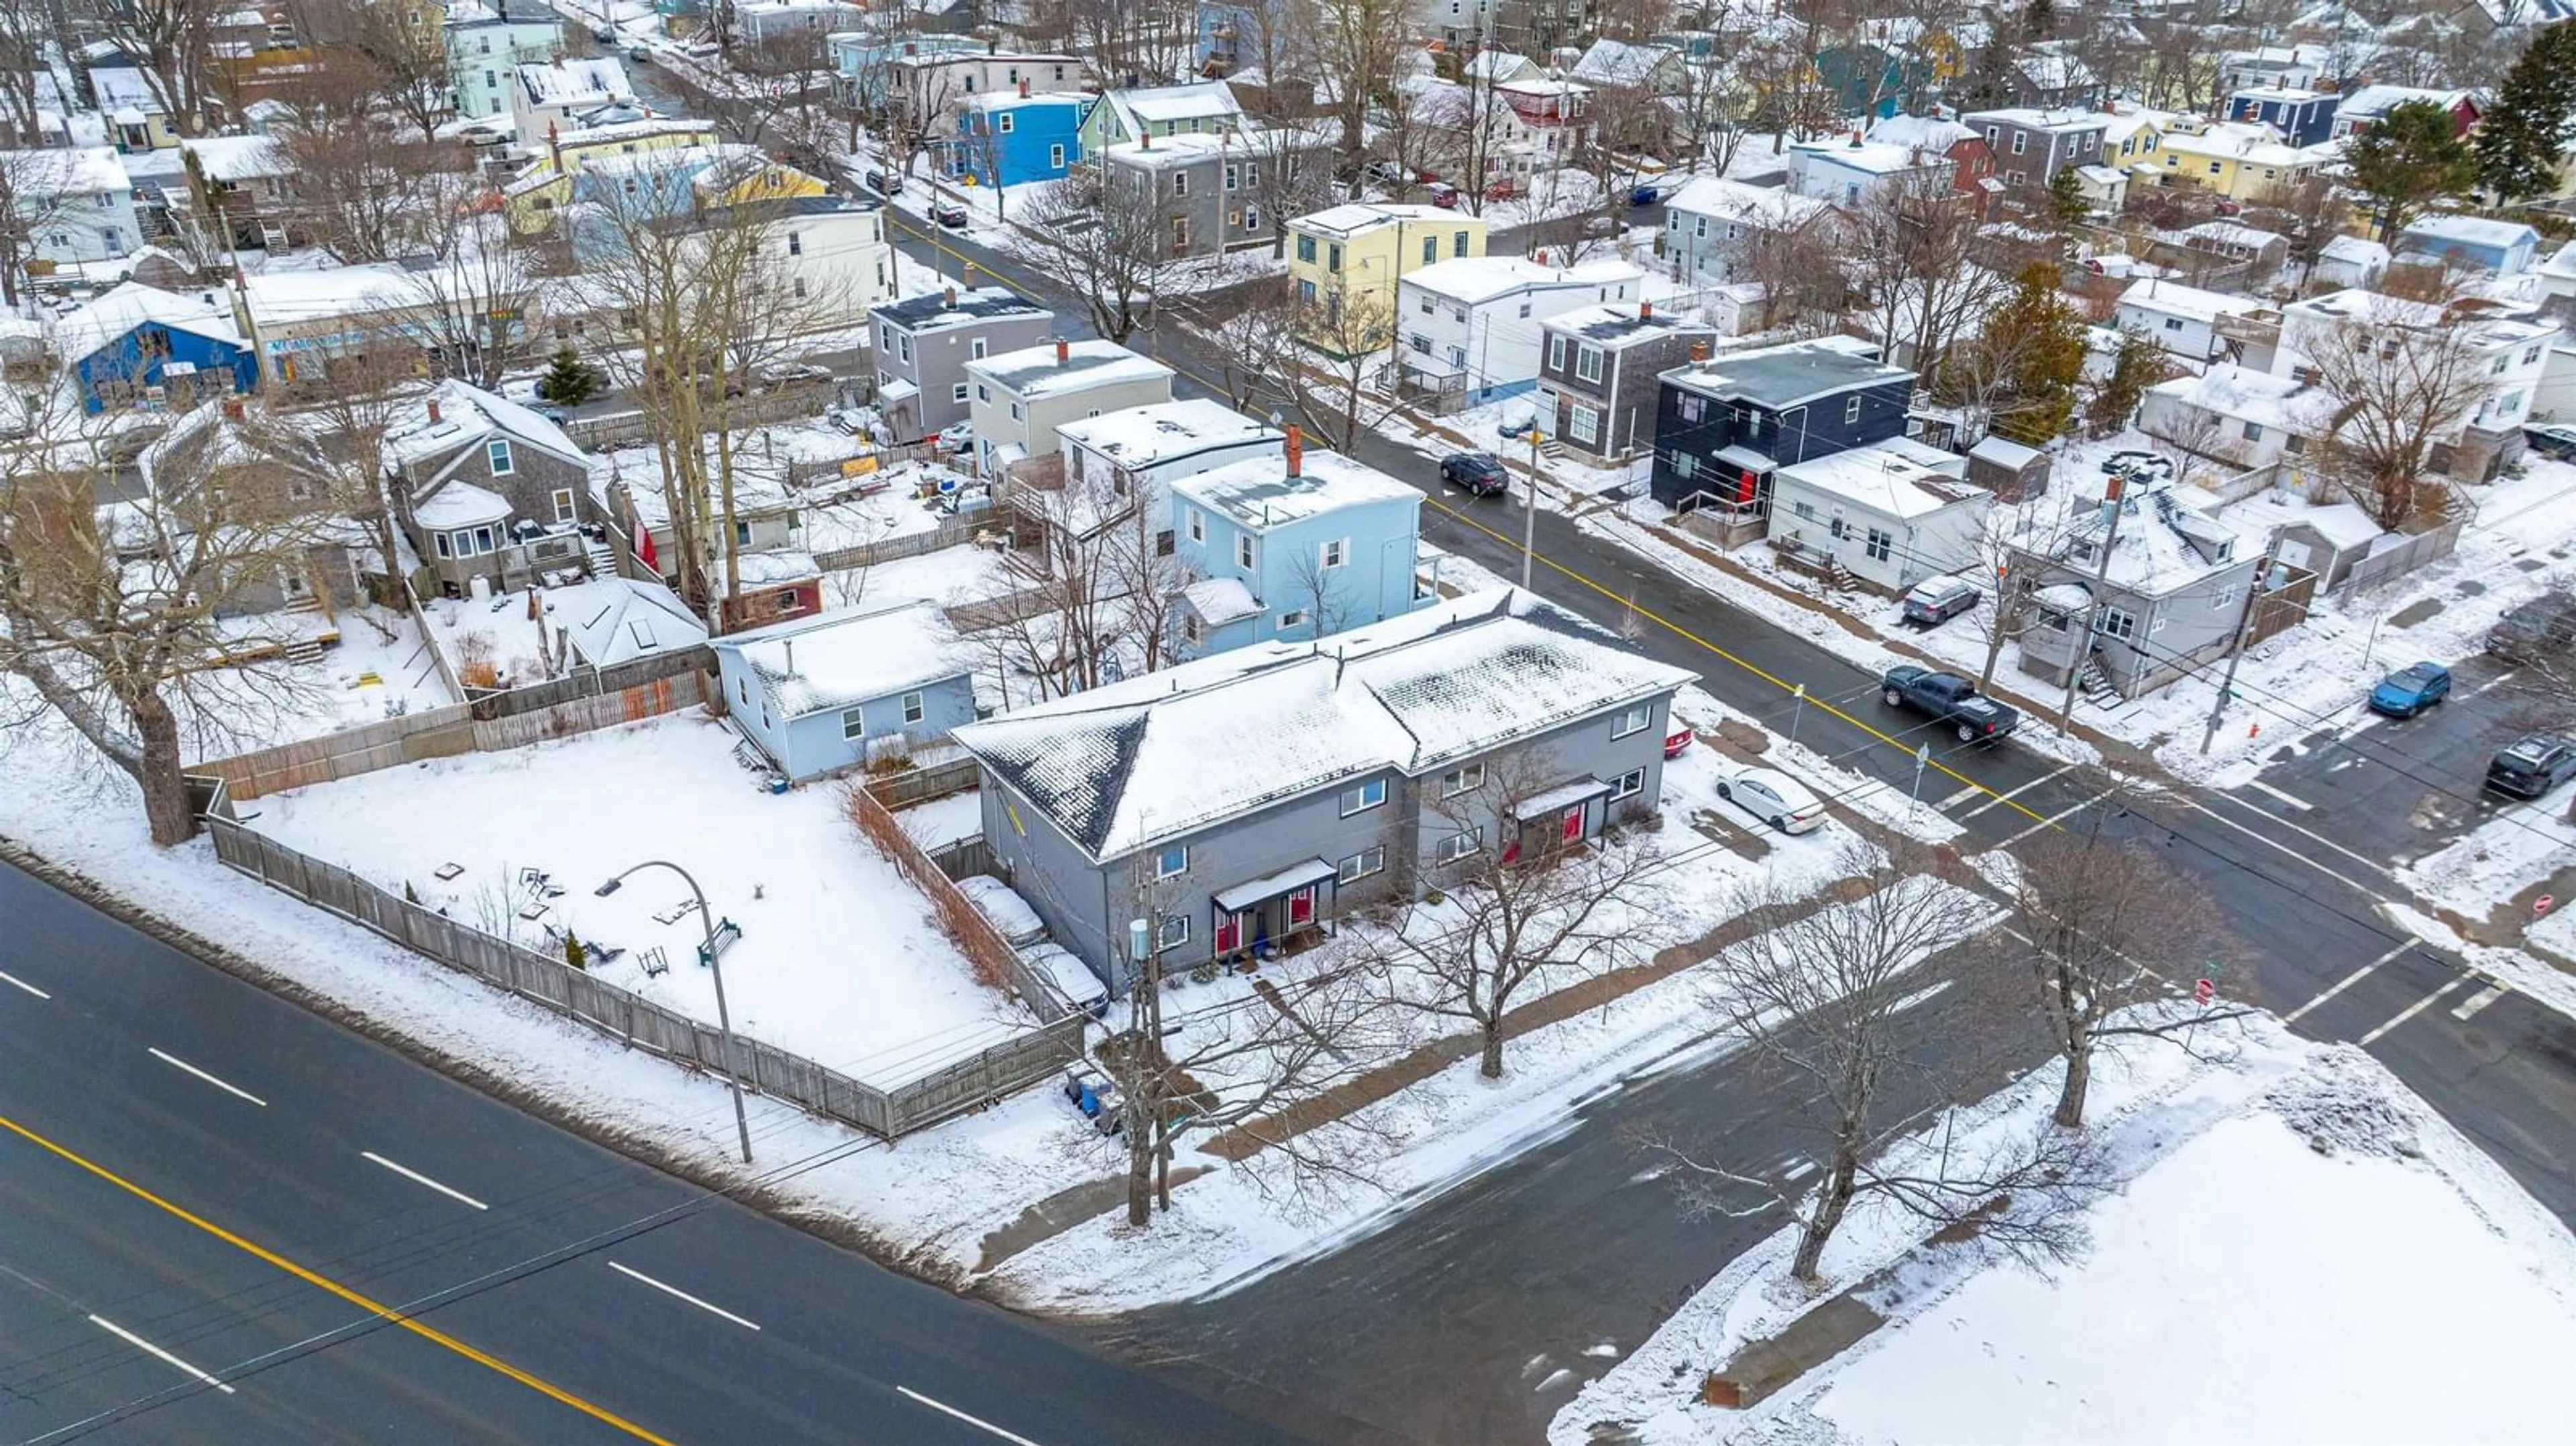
{"x": 715, "y": 962}
{"x": 1529, "y": 512}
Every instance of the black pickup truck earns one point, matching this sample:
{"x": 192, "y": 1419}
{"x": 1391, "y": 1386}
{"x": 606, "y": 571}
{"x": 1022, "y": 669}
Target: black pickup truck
{"x": 1950, "y": 698}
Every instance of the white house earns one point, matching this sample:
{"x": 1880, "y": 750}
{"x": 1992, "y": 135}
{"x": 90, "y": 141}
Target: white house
{"x": 828, "y": 250}
{"x": 1470, "y": 326}
{"x": 1141, "y": 451}
{"x": 2182, "y": 319}
{"x": 547, "y": 96}
{"x": 1892, "y": 513}
{"x": 1022, "y": 396}
{"x": 2236, "y": 416}
{"x": 2512, "y": 350}
{"x": 1842, "y": 172}
{"x": 485, "y": 48}
{"x": 1711, "y": 223}
{"x": 2350, "y": 261}
{"x": 77, "y": 205}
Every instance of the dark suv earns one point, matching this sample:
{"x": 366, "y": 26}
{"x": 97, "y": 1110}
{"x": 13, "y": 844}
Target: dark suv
{"x": 2533, "y": 766}
{"x": 1481, "y": 473}
{"x": 2531, "y": 631}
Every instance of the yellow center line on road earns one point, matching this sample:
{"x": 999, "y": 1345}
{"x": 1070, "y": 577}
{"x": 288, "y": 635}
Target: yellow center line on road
{"x": 2006, "y": 800}
{"x": 324, "y": 1283}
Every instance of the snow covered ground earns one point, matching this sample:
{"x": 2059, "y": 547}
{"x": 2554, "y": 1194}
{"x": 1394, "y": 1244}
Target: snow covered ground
{"x": 2298, "y": 1250}
{"x": 839, "y": 961}
{"x": 380, "y": 668}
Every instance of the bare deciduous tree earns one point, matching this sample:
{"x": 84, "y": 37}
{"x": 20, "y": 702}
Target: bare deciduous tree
{"x": 1910, "y": 246}
{"x": 34, "y": 189}
{"x": 1523, "y": 908}
{"x": 1103, "y": 234}
{"x": 407, "y": 61}
{"x": 366, "y": 187}
{"x": 2404, "y": 377}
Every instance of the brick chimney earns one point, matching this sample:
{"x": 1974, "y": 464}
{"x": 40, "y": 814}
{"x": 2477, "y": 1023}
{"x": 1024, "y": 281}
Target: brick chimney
{"x": 1024, "y": 90}
{"x": 1144, "y": 140}
{"x": 1699, "y": 351}
{"x": 948, "y": 299}
{"x": 433, "y": 412}
{"x": 1645, "y": 311}
{"x": 233, "y": 408}
{"x": 554, "y": 145}
{"x": 1855, "y": 140}
{"x": 1063, "y": 352}
{"x": 1296, "y": 451}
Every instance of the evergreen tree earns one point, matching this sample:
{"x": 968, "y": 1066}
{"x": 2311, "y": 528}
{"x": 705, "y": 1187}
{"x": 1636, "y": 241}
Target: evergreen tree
{"x": 2521, "y": 137}
{"x": 2067, "y": 205}
{"x": 2410, "y": 159}
{"x": 570, "y": 381}
{"x": 2037, "y": 336}
{"x": 2139, "y": 365}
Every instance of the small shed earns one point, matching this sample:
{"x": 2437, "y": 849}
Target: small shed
{"x": 2011, "y": 471}
{"x": 822, "y": 694}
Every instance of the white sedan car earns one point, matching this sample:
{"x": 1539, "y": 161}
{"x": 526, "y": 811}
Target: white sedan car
{"x": 1773, "y": 797}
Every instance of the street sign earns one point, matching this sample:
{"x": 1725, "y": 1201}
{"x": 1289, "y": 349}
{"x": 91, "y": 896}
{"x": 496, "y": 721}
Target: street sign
{"x": 2204, "y": 991}
{"x": 2540, "y": 906}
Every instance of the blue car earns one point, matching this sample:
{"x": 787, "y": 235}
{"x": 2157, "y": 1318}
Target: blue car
{"x": 2411, "y": 689}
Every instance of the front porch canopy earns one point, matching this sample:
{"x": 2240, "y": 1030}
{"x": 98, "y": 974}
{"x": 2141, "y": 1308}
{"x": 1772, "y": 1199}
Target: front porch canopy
{"x": 1557, "y": 799}
{"x": 1270, "y": 886}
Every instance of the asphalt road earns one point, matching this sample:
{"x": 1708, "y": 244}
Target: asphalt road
{"x": 282, "y": 1177}
{"x": 2301, "y": 881}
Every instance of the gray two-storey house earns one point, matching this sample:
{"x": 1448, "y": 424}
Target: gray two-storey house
{"x": 923, "y": 344}
{"x": 2169, "y": 600}
{"x": 1207, "y": 189}
{"x": 2031, "y": 146}
{"x": 485, "y": 487}
{"x": 1232, "y": 806}
{"x": 1597, "y": 371}
{"x": 1724, "y": 424}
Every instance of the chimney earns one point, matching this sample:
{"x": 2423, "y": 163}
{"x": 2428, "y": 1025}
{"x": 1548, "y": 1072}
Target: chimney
{"x": 1296, "y": 451}
{"x": 1144, "y": 139}
{"x": 1855, "y": 140}
{"x": 910, "y": 48}
{"x": 949, "y": 299}
{"x": 1699, "y": 351}
{"x": 791, "y": 655}
{"x": 558, "y": 60}
{"x": 1645, "y": 311}
{"x": 233, "y": 408}
{"x": 1063, "y": 352}
{"x": 1024, "y": 90}
{"x": 554, "y": 145}
{"x": 433, "y": 411}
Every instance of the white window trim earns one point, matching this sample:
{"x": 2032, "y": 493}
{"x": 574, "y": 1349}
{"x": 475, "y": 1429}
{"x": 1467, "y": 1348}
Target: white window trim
{"x": 1161, "y": 854}
{"x": 853, "y": 715}
{"x": 1635, "y": 719}
{"x": 1361, "y": 791}
{"x": 1628, "y": 784}
{"x": 1469, "y": 777}
{"x": 1460, "y": 844}
{"x": 916, "y": 707}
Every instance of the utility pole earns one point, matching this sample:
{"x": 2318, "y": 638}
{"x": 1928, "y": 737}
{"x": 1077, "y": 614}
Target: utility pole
{"x": 1529, "y": 511}
{"x": 2236, "y": 645}
{"x": 2111, "y": 491}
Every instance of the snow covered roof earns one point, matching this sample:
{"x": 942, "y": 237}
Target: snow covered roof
{"x": 1221, "y": 600}
{"x": 1258, "y": 493}
{"x": 2242, "y": 141}
{"x": 1778, "y": 377}
{"x": 1621, "y": 326}
{"x": 2232, "y": 233}
{"x": 612, "y": 620}
{"x": 2004, "y": 453}
{"x": 1472, "y": 280}
{"x": 1491, "y": 66}
{"x": 238, "y": 158}
{"x": 2245, "y": 395}
{"x": 845, "y": 658}
{"x": 2188, "y": 302}
{"x": 1199, "y": 101}
{"x": 1921, "y": 132}
{"x": 460, "y": 504}
{"x": 774, "y": 566}
{"x": 2467, "y": 231}
{"x": 1615, "y": 62}
{"x": 2164, "y": 541}
{"x": 2373, "y": 101}
{"x": 567, "y": 81}
{"x": 1034, "y": 371}
{"x": 2353, "y": 250}
{"x": 1871, "y": 157}
{"x": 1893, "y": 478}
{"x": 2262, "y": 516}
{"x": 122, "y": 87}
{"x": 1764, "y": 206}
{"x": 468, "y": 415}
{"x": 2061, "y": 122}
{"x": 45, "y": 174}
{"x": 81, "y": 332}
{"x": 2054, "y": 67}
{"x": 1350, "y": 220}
{"x": 1141, "y": 437}
{"x": 1124, "y": 766}
{"x": 940, "y": 310}
{"x": 287, "y": 297}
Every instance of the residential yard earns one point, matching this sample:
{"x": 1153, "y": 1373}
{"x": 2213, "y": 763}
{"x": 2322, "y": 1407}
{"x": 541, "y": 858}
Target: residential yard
{"x": 380, "y": 668}
{"x": 839, "y": 960}
{"x": 2295, "y": 1248}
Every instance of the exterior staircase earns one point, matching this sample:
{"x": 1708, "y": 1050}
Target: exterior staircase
{"x": 603, "y": 558}
{"x": 2096, "y": 686}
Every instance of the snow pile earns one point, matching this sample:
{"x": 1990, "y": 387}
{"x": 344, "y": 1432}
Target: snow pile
{"x": 2301, "y": 1252}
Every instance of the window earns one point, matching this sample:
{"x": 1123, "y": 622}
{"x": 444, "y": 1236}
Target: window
{"x": 1055, "y": 157}
{"x": 885, "y": 338}
{"x": 1428, "y": 306}
{"x": 1465, "y": 778}
{"x": 2173, "y": 323}
{"x": 1306, "y": 249}
{"x": 1685, "y": 465}
{"x": 975, "y": 352}
{"x": 957, "y": 393}
{"x": 1994, "y": 135}
{"x": 483, "y": 540}
{"x": 854, "y": 724}
{"x": 1587, "y": 363}
{"x": 2021, "y": 142}
{"x": 913, "y": 710}
{"x": 1333, "y": 257}
{"x": 2253, "y": 431}
{"x": 1584, "y": 424}
{"x": 1458, "y": 244}
{"x": 563, "y": 504}
{"x": 1252, "y": 218}
{"x": 1293, "y": 618}
{"x": 1245, "y": 553}
{"x": 1334, "y": 553}
{"x": 1851, "y": 411}
{"x": 441, "y": 540}
{"x": 1004, "y": 124}
{"x": 1017, "y": 415}
{"x": 795, "y": 243}
{"x": 1172, "y": 860}
{"x": 497, "y": 452}
{"x": 903, "y": 346}
{"x": 2531, "y": 355}
{"x": 1633, "y": 720}
{"x": 1362, "y": 864}
{"x": 798, "y": 286}
{"x": 2213, "y": 168}
{"x": 1197, "y": 521}
{"x": 1690, "y": 408}
{"x": 1460, "y": 844}
{"x": 1180, "y": 183}
{"x": 1180, "y": 233}
{"x": 2113, "y": 622}
{"x": 1628, "y": 784}
{"x": 1525, "y": 308}
{"x": 1556, "y": 353}
{"x": 1362, "y": 798}
{"x": 2219, "y": 600}
{"x": 1176, "y": 931}
{"x": 1878, "y": 545}
{"x": 1430, "y": 249}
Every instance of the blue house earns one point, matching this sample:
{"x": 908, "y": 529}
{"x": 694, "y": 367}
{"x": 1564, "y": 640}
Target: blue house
{"x": 2475, "y": 243}
{"x": 1292, "y": 547}
{"x": 827, "y": 693}
{"x": 2305, "y": 117}
{"x": 140, "y": 346}
{"x": 1004, "y": 139}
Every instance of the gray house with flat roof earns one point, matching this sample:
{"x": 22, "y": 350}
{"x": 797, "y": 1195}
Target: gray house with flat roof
{"x": 1597, "y": 370}
{"x": 923, "y": 344}
{"x": 1234, "y": 805}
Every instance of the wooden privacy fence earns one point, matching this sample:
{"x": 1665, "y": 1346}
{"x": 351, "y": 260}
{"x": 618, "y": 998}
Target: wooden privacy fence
{"x": 996, "y": 962}
{"x": 584, "y": 681}
{"x": 447, "y": 732}
{"x": 921, "y": 785}
{"x": 2398, "y": 558}
{"x": 950, "y": 533}
{"x": 634, "y": 1020}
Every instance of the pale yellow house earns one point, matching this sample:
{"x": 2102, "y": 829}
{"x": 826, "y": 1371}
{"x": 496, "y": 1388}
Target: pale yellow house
{"x": 531, "y": 201}
{"x": 1344, "y": 261}
{"x": 2238, "y": 159}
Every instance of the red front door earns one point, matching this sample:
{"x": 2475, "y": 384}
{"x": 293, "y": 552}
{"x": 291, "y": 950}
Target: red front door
{"x": 1301, "y": 906}
{"x": 1229, "y": 933}
{"x": 1571, "y": 826}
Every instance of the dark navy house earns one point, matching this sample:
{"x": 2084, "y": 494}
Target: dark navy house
{"x": 1723, "y": 425}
